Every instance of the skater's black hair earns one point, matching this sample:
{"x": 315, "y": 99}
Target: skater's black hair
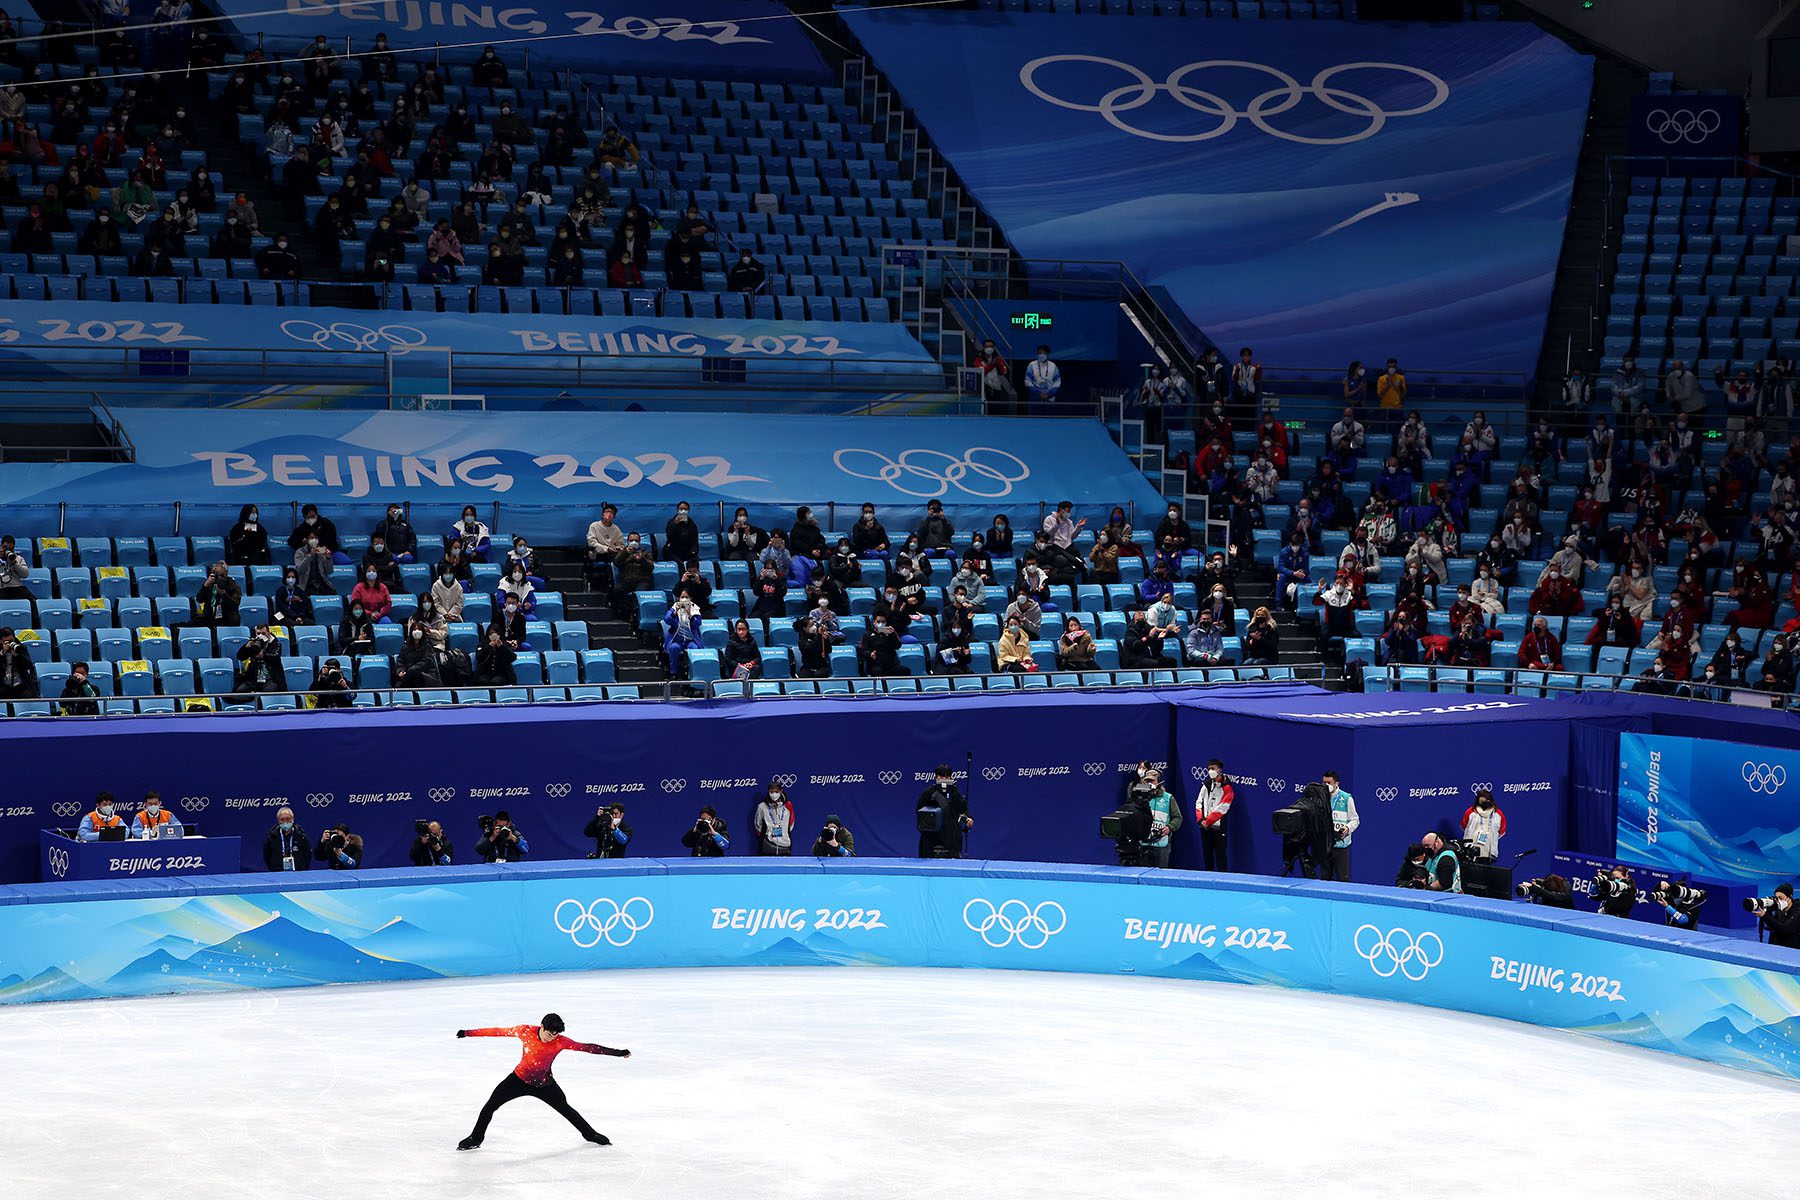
{"x": 553, "y": 1023}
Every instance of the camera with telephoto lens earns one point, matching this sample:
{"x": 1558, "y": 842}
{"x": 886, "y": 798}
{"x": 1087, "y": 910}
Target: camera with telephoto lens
{"x": 828, "y": 834}
{"x": 1758, "y": 904}
{"x": 1681, "y": 896}
{"x": 485, "y": 823}
{"x": 334, "y": 839}
{"x": 1530, "y": 889}
{"x": 421, "y": 826}
{"x": 1608, "y": 888}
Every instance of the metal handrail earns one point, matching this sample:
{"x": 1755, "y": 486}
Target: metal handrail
{"x": 1089, "y": 681}
{"x": 1571, "y": 680}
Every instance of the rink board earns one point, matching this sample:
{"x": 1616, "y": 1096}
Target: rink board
{"x": 1711, "y": 998}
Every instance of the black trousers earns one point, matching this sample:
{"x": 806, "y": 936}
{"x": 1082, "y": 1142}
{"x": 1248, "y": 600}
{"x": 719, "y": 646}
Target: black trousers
{"x": 1212, "y": 847}
{"x": 512, "y": 1087}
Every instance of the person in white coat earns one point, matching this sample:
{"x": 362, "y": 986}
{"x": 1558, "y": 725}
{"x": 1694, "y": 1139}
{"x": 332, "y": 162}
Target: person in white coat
{"x": 1043, "y": 380}
{"x": 1484, "y": 824}
{"x": 774, "y": 822}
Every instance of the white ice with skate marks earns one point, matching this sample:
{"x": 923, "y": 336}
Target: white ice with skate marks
{"x": 879, "y": 1083}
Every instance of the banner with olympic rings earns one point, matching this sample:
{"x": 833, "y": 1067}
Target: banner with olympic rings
{"x": 1718, "y": 999}
{"x": 1718, "y": 810}
{"x": 552, "y": 468}
{"x": 1320, "y": 191}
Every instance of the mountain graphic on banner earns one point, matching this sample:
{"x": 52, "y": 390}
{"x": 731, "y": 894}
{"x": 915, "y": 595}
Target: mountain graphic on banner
{"x": 277, "y": 951}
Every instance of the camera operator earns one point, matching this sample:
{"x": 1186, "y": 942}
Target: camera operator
{"x": 1211, "y": 806}
{"x": 610, "y": 831}
{"x": 500, "y": 841}
{"x": 1442, "y": 865}
{"x": 708, "y": 838}
{"x": 943, "y": 816}
{"x": 1615, "y": 891}
{"x": 331, "y": 689}
{"x": 834, "y": 841}
{"x": 1414, "y": 872}
{"x": 1681, "y": 903}
{"x": 339, "y": 849}
{"x": 1778, "y": 916}
{"x": 1165, "y": 817}
{"x": 773, "y": 822}
{"x": 1552, "y": 891}
{"x": 432, "y": 847}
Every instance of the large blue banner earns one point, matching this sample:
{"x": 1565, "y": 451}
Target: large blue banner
{"x": 1720, "y": 810}
{"x": 579, "y": 460}
{"x": 1691, "y": 994}
{"x": 1322, "y": 192}
{"x": 716, "y": 39}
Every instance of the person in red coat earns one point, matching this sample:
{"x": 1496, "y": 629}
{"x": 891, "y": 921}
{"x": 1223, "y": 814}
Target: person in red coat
{"x": 1676, "y": 643}
{"x": 1556, "y": 596}
{"x": 1754, "y": 596}
{"x": 1540, "y": 650}
{"x": 542, "y": 1043}
{"x": 1614, "y": 627}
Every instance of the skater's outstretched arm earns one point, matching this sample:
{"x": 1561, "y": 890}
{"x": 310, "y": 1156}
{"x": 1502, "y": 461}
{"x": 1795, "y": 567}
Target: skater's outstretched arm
{"x": 511, "y": 1031}
{"x": 585, "y": 1048}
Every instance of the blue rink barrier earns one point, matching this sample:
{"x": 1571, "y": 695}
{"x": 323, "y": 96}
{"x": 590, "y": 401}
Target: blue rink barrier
{"x": 1705, "y": 997}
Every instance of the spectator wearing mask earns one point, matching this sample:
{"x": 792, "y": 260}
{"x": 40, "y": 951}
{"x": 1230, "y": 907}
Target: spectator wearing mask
{"x": 501, "y": 841}
{"x": 880, "y": 649}
{"x": 1262, "y": 641}
{"x": 259, "y": 667}
{"x": 286, "y": 847}
{"x": 105, "y": 815}
{"x": 1043, "y": 380}
{"x": 217, "y": 599}
{"x": 1483, "y": 825}
{"x": 378, "y": 559}
{"x": 14, "y": 571}
{"x": 373, "y": 595}
{"x": 470, "y": 534}
{"x": 681, "y": 633}
{"x": 1142, "y": 649}
{"x": 1556, "y": 596}
{"x": 935, "y": 532}
{"x": 494, "y": 660}
{"x": 1212, "y": 806}
{"x": 1540, "y": 650}
{"x": 681, "y": 536}
{"x": 610, "y": 830}
{"x": 247, "y": 542}
{"x": 80, "y": 698}
{"x": 605, "y": 542}
{"x": 742, "y": 656}
{"x": 396, "y": 533}
{"x": 1292, "y": 568}
{"x": 773, "y": 822}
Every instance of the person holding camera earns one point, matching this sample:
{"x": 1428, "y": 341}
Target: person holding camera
{"x": 1615, "y": 891}
{"x": 1443, "y": 868}
{"x": 217, "y": 598}
{"x": 1483, "y": 825}
{"x": 834, "y": 841}
{"x": 1414, "y": 871}
{"x": 18, "y": 674}
{"x": 286, "y": 847}
{"x": 1777, "y": 916}
{"x": 1165, "y": 817}
{"x": 708, "y": 838}
{"x": 431, "y": 848}
{"x": 773, "y": 822}
{"x": 331, "y": 689}
{"x": 943, "y": 816}
{"x": 500, "y": 842}
{"x": 340, "y": 849}
{"x": 1211, "y": 806}
{"x": 1552, "y": 891}
{"x": 259, "y": 666}
{"x": 610, "y": 831}
{"x": 1681, "y": 903}
{"x": 1344, "y": 822}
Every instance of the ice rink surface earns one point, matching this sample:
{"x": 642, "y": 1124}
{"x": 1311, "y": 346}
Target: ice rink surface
{"x": 842, "y": 1082}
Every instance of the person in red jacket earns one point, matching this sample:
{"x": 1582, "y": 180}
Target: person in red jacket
{"x": 1755, "y": 598}
{"x": 542, "y": 1042}
{"x": 1556, "y": 596}
{"x": 1540, "y": 650}
{"x": 1211, "y": 806}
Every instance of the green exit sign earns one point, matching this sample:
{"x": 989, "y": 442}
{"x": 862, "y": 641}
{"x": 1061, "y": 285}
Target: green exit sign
{"x": 1032, "y": 320}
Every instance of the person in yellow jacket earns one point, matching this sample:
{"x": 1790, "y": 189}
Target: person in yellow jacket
{"x": 1013, "y": 650}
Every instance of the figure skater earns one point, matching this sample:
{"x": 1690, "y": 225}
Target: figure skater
{"x": 542, "y": 1042}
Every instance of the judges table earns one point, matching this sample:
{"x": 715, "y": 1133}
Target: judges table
{"x": 62, "y": 857}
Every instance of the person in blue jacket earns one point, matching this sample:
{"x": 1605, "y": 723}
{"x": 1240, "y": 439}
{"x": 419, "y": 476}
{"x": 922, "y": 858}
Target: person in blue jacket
{"x": 1291, "y": 566}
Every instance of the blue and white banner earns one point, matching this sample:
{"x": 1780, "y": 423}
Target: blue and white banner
{"x": 1720, "y": 810}
{"x": 580, "y": 460}
{"x": 1705, "y": 997}
{"x": 710, "y": 38}
{"x": 1322, "y": 192}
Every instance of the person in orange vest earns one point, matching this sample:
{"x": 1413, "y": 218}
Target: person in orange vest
{"x": 104, "y": 816}
{"x": 153, "y": 818}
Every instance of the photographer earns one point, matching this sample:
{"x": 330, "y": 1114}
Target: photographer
{"x": 1778, "y": 916}
{"x": 1414, "y": 872}
{"x": 943, "y": 817}
{"x": 432, "y": 847}
{"x": 1615, "y": 892}
{"x": 610, "y": 832}
{"x": 259, "y": 666}
{"x": 1681, "y": 903}
{"x": 1442, "y": 865}
{"x": 1211, "y": 806}
{"x": 500, "y": 842}
{"x": 707, "y": 839}
{"x": 331, "y": 689}
{"x": 340, "y": 849}
{"x": 1552, "y": 891}
{"x": 773, "y": 823}
{"x": 834, "y": 841}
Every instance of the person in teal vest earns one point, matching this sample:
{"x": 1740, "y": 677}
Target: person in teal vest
{"x": 1446, "y": 871}
{"x": 1165, "y": 818}
{"x": 1343, "y": 825}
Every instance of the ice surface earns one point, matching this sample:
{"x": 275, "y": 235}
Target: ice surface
{"x": 845, "y": 1082}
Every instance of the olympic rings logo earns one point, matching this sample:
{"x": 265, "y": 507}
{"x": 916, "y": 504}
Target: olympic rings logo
{"x": 556, "y": 791}
{"x": 915, "y": 466}
{"x": 1386, "y": 794}
{"x": 1682, "y": 125}
{"x": 1277, "y": 100}
{"x": 319, "y": 799}
{"x": 346, "y": 335}
{"x": 1765, "y": 778}
{"x": 671, "y": 786}
{"x": 1481, "y": 787}
{"x": 603, "y": 920}
{"x": 1278, "y": 786}
{"x": 65, "y": 808}
{"x": 992, "y": 773}
{"x": 442, "y": 795}
{"x": 195, "y": 803}
{"x": 1015, "y": 921}
{"x": 59, "y": 861}
{"x": 787, "y": 781}
{"x": 1094, "y": 768}
{"x": 1398, "y": 951}
{"x": 890, "y": 777}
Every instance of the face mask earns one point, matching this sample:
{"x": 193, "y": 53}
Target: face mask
{"x": 285, "y": 825}
{"x": 417, "y": 634}
{"x": 1214, "y": 772}
{"x": 312, "y": 543}
{"x": 1332, "y": 788}
{"x": 356, "y": 611}
{"x": 370, "y": 576}
{"x": 106, "y": 810}
{"x": 155, "y": 806}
